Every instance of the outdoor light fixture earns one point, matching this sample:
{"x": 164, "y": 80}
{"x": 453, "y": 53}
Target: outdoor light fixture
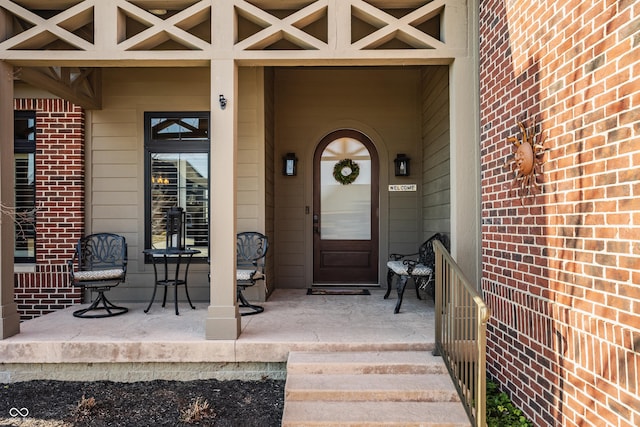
{"x": 290, "y": 164}
{"x": 223, "y": 102}
{"x": 402, "y": 164}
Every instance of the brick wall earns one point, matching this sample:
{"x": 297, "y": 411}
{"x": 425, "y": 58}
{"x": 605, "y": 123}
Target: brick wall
{"x": 561, "y": 268}
{"x": 60, "y": 206}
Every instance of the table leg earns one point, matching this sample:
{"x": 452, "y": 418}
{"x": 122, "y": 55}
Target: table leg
{"x": 153, "y": 296}
{"x": 155, "y": 284}
{"x": 175, "y": 284}
{"x": 164, "y": 297}
{"x": 186, "y": 291}
{"x": 166, "y": 279}
{"x": 186, "y": 273}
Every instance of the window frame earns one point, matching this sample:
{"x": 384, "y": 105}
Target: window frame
{"x": 25, "y": 146}
{"x": 188, "y": 146}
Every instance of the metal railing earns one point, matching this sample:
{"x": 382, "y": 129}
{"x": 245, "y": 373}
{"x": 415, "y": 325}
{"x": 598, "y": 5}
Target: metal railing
{"x": 461, "y": 324}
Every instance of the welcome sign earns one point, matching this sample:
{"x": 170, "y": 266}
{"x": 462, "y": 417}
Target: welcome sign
{"x": 403, "y": 187}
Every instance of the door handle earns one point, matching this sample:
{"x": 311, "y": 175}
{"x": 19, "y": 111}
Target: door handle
{"x": 316, "y": 223}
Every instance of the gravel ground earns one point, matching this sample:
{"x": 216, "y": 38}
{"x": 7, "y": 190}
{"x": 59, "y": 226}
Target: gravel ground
{"x": 154, "y": 403}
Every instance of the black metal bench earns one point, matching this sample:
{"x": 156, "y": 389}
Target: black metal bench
{"x": 99, "y": 264}
{"x": 419, "y": 266}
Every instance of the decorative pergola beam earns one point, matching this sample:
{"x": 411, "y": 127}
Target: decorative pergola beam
{"x": 52, "y": 28}
{"x": 114, "y": 43}
{"x": 83, "y": 90}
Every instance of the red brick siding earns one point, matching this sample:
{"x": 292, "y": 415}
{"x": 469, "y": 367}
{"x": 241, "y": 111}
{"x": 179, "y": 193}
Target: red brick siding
{"x": 60, "y": 206}
{"x": 44, "y": 291}
{"x": 561, "y": 270}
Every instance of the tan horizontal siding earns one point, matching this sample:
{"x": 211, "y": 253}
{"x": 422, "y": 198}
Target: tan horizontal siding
{"x": 436, "y": 179}
{"x": 108, "y": 170}
{"x": 384, "y": 103}
{"x": 115, "y": 157}
{"x": 121, "y": 143}
{"x": 116, "y": 144}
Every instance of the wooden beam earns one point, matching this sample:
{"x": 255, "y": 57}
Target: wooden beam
{"x": 66, "y": 89}
{"x": 115, "y": 45}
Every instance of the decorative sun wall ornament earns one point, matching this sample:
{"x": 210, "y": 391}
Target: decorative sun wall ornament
{"x": 346, "y": 171}
{"x": 527, "y": 160}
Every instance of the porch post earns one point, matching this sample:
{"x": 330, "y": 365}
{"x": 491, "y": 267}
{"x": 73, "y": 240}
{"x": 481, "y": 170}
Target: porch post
{"x": 465, "y": 154}
{"x": 9, "y": 318}
{"x": 223, "y": 317}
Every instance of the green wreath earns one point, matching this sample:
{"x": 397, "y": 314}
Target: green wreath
{"x": 346, "y": 171}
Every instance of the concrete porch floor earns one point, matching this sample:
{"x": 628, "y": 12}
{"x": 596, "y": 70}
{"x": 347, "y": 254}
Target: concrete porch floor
{"x": 160, "y": 345}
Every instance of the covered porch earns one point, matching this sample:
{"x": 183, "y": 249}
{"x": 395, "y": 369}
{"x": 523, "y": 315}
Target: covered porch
{"x": 161, "y": 345}
{"x": 187, "y": 56}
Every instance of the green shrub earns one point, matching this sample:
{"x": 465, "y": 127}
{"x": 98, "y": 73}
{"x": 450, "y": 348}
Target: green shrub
{"x": 501, "y": 412}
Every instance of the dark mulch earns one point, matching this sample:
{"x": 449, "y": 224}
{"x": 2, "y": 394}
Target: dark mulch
{"x": 153, "y": 403}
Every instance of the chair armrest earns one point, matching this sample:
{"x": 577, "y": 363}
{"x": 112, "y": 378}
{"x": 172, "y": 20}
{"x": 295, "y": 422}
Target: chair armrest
{"x": 398, "y": 257}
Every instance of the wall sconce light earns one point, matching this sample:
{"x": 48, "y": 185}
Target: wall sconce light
{"x": 402, "y": 164}
{"x": 290, "y": 164}
{"x": 223, "y": 102}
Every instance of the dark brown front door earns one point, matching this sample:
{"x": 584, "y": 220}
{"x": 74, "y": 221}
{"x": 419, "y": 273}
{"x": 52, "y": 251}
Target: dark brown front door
{"x": 345, "y": 209}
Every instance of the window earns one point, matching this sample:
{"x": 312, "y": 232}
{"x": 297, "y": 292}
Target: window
{"x": 24, "y": 147}
{"x": 177, "y": 174}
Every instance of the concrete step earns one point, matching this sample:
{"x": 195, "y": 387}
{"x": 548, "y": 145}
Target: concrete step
{"x": 371, "y": 387}
{"x": 365, "y": 362}
{"x": 402, "y": 388}
{"x": 368, "y": 414}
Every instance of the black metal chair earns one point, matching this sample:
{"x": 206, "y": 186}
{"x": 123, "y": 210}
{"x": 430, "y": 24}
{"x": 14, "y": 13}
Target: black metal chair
{"x": 251, "y": 250}
{"x": 99, "y": 264}
{"x": 419, "y": 266}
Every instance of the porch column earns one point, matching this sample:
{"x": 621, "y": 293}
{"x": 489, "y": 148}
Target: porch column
{"x": 465, "y": 154}
{"x": 9, "y": 318}
{"x": 223, "y": 317}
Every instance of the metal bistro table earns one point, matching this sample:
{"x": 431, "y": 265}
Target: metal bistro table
{"x": 175, "y": 281}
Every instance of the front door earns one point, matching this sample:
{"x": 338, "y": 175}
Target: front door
{"x": 345, "y": 209}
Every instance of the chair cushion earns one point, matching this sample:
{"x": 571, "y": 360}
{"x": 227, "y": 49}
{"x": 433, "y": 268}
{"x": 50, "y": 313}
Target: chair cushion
{"x": 246, "y": 275}
{"x": 113, "y": 273}
{"x": 401, "y": 269}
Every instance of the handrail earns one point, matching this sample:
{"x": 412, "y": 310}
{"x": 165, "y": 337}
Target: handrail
{"x": 461, "y": 324}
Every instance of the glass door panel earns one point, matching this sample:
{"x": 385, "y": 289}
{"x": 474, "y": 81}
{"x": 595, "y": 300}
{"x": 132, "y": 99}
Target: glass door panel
{"x": 345, "y": 208}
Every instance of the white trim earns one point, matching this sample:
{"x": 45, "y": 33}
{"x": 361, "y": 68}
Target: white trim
{"x": 24, "y": 268}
